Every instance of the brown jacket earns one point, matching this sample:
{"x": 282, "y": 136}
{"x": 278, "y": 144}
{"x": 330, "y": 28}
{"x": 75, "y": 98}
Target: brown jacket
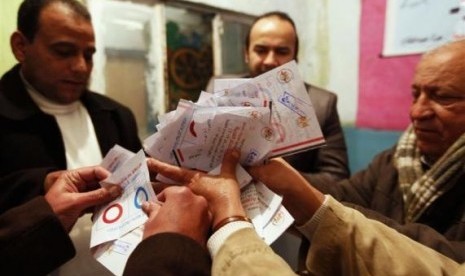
{"x": 375, "y": 192}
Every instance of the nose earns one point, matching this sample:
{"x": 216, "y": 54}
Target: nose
{"x": 271, "y": 59}
{"x": 421, "y": 108}
{"x": 80, "y": 64}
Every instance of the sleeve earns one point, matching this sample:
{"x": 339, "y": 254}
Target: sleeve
{"x": 359, "y": 189}
{"x": 364, "y": 193}
{"x": 245, "y": 253}
{"x": 346, "y": 242}
{"x": 32, "y": 240}
{"x": 330, "y": 162}
{"x": 21, "y": 186}
{"x": 168, "y": 254}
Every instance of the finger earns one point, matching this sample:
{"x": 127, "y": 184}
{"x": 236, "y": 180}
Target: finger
{"x": 230, "y": 160}
{"x": 173, "y": 172}
{"x": 151, "y": 208}
{"x": 95, "y": 173}
{"x": 158, "y": 187}
{"x": 97, "y": 197}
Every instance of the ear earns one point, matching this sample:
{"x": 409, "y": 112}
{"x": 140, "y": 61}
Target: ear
{"x": 19, "y": 43}
{"x": 246, "y": 55}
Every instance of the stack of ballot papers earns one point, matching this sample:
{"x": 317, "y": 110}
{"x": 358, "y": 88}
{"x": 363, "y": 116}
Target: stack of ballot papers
{"x": 267, "y": 116}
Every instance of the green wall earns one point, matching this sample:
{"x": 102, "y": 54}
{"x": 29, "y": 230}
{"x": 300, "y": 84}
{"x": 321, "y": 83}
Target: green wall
{"x": 8, "y": 10}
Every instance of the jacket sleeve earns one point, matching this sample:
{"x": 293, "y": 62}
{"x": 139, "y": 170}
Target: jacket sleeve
{"x": 21, "y": 186}
{"x": 364, "y": 193}
{"x": 168, "y": 254}
{"x": 32, "y": 240}
{"x": 346, "y": 242}
{"x": 245, "y": 253}
{"x": 328, "y": 163}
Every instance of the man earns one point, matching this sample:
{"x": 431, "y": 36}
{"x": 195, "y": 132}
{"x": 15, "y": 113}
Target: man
{"x": 49, "y": 120}
{"x": 272, "y": 41}
{"x": 34, "y": 236}
{"x": 417, "y": 186}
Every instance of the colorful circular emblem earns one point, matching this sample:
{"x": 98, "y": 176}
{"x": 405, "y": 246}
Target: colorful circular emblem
{"x": 138, "y": 200}
{"x": 109, "y": 216}
{"x": 285, "y": 76}
{"x": 302, "y": 121}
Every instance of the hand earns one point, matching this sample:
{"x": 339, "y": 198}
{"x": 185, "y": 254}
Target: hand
{"x": 278, "y": 175}
{"x": 75, "y": 191}
{"x": 179, "y": 211}
{"x": 299, "y": 197}
{"x": 51, "y": 178}
{"x": 222, "y": 192}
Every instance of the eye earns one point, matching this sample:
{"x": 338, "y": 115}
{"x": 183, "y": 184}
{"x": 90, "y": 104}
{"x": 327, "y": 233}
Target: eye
{"x": 260, "y": 50}
{"x": 63, "y": 50}
{"x": 415, "y": 93}
{"x": 282, "y": 51}
{"x": 446, "y": 98}
{"x": 88, "y": 55}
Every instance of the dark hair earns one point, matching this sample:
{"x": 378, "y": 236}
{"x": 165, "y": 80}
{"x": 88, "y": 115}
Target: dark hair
{"x": 281, "y": 15}
{"x": 29, "y": 12}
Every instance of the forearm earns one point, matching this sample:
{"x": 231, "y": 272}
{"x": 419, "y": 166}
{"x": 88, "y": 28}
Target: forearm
{"x": 347, "y": 242}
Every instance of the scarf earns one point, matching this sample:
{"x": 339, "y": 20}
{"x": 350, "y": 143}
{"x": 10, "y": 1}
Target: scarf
{"x": 420, "y": 188}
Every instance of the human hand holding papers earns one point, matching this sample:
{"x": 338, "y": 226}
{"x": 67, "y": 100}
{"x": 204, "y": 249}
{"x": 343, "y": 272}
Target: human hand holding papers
{"x": 117, "y": 227}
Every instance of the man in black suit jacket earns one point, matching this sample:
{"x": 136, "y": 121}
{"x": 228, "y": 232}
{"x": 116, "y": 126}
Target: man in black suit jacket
{"x": 49, "y": 120}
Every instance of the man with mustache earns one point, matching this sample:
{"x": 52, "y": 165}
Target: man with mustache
{"x": 417, "y": 187}
{"x": 49, "y": 120}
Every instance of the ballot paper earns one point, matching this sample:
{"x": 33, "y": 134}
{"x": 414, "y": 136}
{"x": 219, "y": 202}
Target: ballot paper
{"x": 118, "y": 226}
{"x": 293, "y": 118}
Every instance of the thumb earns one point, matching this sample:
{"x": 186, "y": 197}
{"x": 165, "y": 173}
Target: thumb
{"x": 97, "y": 197}
{"x": 230, "y": 160}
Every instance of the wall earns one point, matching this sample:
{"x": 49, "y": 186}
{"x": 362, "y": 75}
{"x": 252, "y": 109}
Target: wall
{"x": 7, "y": 26}
{"x": 385, "y": 93}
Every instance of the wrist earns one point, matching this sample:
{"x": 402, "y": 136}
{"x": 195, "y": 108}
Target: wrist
{"x": 226, "y": 210}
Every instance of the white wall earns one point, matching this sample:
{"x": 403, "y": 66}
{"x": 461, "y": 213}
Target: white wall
{"x": 329, "y": 39}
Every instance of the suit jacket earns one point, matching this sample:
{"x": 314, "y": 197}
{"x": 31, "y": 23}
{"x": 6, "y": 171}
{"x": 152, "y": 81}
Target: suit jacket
{"x": 32, "y": 240}
{"x": 169, "y": 254}
{"x": 329, "y": 162}
{"x": 31, "y": 144}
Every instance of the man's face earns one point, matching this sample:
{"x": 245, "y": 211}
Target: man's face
{"x": 58, "y": 61}
{"x": 438, "y": 108}
{"x": 272, "y": 43}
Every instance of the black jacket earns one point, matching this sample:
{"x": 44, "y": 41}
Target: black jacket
{"x": 31, "y": 144}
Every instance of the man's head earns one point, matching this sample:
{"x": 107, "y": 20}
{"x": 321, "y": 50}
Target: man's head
{"x": 272, "y": 41}
{"x": 54, "y": 43}
{"x": 438, "y": 90}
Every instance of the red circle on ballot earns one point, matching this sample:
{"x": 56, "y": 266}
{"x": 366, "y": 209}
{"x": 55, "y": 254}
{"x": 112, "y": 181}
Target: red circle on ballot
{"x": 111, "y": 220}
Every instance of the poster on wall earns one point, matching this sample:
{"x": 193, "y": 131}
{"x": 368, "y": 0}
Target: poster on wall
{"x": 415, "y": 26}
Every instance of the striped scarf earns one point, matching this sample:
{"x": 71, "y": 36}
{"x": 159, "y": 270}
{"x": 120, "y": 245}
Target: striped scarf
{"x": 419, "y": 188}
